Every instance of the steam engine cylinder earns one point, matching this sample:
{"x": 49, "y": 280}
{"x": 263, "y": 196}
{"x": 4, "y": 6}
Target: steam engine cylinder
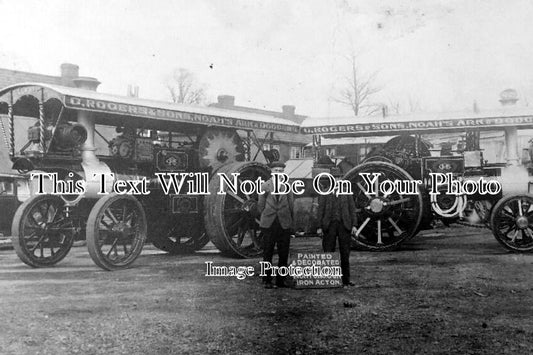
{"x": 70, "y": 135}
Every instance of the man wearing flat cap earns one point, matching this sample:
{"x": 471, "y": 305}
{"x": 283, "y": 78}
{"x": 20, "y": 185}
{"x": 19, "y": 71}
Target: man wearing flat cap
{"x": 337, "y": 217}
{"x": 276, "y": 222}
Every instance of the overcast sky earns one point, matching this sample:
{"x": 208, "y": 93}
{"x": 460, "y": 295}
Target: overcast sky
{"x": 441, "y": 54}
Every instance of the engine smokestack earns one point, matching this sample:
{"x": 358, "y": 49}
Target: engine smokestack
{"x": 86, "y": 120}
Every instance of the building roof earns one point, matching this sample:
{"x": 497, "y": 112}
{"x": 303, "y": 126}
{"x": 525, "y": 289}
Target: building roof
{"x": 296, "y": 118}
{"x": 283, "y": 137}
{"x": 9, "y": 77}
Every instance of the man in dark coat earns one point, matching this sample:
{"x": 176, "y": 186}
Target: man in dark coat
{"x": 337, "y": 217}
{"x": 276, "y": 222}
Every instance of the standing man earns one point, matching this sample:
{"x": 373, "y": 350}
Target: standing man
{"x": 337, "y": 216}
{"x": 276, "y": 222}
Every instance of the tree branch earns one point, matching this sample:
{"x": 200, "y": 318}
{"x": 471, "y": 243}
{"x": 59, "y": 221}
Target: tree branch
{"x": 358, "y": 89}
{"x": 184, "y": 88}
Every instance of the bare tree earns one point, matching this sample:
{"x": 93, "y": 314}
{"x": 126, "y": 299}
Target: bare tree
{"x": 414, "y": 105}
{"x": 358, "y": 90}
{"x": 394, "y": 107}
{"x": 184, "y": 88}
{"x": 411, "y": 105}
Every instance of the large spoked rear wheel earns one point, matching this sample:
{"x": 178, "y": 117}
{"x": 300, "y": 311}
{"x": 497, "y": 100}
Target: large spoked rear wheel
{"x": 116, "y": 231}
{"x": 512, "y": 222}
{"x": 42, "y": 232}
{"x": 385, "y": 221}
{"x": 230, "y": 218}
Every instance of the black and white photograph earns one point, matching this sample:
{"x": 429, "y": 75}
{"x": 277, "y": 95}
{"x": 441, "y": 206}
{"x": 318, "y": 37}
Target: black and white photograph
{"x": 266, "y": 177}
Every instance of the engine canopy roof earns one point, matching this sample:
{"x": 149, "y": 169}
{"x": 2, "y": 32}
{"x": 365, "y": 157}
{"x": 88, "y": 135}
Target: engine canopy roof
{"x": 118, "y": 110}
{"x": 420, "y": 123}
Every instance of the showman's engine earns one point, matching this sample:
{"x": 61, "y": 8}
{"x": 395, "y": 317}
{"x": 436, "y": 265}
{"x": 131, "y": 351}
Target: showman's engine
{"x": 73, "y": 134}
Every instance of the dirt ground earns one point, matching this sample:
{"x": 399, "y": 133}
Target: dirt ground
{"x": 449, "y": 291}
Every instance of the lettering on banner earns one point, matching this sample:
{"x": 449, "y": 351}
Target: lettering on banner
{"x": 113, "y": 107}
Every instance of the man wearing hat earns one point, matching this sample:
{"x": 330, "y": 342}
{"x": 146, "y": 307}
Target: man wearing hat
{"x": 337, "y": 216}
{"x": 276, "y": 222}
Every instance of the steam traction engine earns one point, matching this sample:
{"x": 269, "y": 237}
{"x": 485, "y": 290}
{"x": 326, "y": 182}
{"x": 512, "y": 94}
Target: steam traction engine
{"x": 77, "y": 133}
{"x": 386, "y": 220}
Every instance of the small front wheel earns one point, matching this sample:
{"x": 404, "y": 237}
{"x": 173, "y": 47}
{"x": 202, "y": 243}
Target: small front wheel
{"x": 511, "y": 222}
{"x": 116, "y": 231}
{"x": 42, "y": 231}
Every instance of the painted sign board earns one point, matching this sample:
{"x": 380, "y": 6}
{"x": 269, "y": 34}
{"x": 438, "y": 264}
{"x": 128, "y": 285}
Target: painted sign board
{"x": 318, "y": 270}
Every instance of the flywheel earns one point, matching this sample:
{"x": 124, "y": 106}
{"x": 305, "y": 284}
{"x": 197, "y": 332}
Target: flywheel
{"x": 219, "y": 146}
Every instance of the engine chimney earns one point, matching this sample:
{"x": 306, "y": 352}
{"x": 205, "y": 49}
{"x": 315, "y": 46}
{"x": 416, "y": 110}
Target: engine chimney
{"x": 86, "y": 83}
{"x": 91, "y": 165}
{"x": 86, "y": 119}
{"x": 475, "y": 107}
{"x": 508, "y": 97}
{"x": 514, "y": 175}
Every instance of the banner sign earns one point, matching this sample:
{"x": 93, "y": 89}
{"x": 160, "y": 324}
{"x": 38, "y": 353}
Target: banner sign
{"x": 180, "y": 116}
{"x": 427, "y": 125}
{"x": 317, "y": 270}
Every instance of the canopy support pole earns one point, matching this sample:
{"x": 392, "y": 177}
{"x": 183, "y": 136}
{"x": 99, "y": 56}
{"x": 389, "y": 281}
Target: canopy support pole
{"x": 511, "y": 144}
{"x": 41, "y": 122}
{"x": 11, "y": 127}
